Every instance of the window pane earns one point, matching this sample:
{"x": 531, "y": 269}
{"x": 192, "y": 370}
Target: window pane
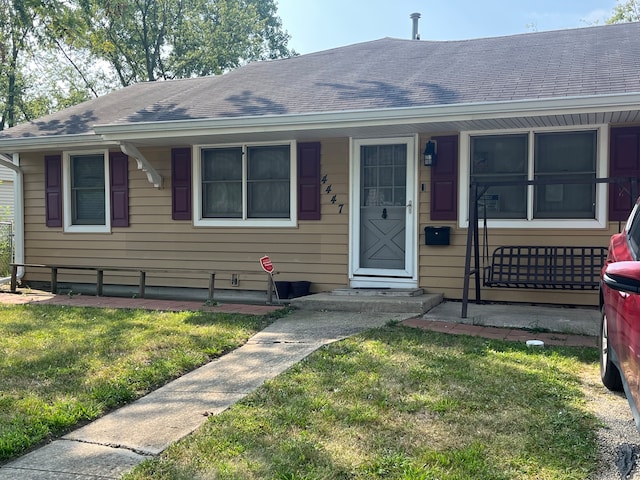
{"x": 268, "y": 182}
{"x": 268, "y": 200}
{"x": 222, "y": 164}
{"x": 386, "y": 176}
{"x": 383, "y": 175}
{"x": 222, "y": 183}
{"x": 386, "y": 154}
{"x": 501, "y": 158}
{"x": 87, "y": 189}
{"x": 565, "y": 154}
{"x": 369, "y": 177}
{"x": 499, "y": 154}
{"x": 369, "y": 156}
{"x": 222, "y": 200}
{"x": 504, "y": 202}
{"x": 400, "y": 175}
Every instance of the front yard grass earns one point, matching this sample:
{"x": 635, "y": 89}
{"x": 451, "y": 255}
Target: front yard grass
{"x": 63, "y": 366}
{"x": 399, "y": 403}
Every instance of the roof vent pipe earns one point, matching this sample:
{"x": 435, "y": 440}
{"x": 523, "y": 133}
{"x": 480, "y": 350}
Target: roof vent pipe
{"x": 415, "y": 17}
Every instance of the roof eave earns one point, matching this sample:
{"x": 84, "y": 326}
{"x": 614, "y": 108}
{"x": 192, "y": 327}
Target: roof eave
{"x": 372, "y": 117}
{"x": 54, "y": 142}
{"x": 114, "y": 134}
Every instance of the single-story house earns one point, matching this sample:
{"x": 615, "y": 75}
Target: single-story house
{"x": 319, "y": 161}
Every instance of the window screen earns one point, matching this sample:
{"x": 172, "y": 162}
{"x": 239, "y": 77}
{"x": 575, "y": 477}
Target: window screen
{"x": 87, "y": 189}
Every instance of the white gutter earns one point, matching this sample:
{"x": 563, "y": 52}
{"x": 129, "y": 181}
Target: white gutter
{"x": 18, "y": 211}
{"x": 374, "y": 117}
{"x": 54, "y": 142}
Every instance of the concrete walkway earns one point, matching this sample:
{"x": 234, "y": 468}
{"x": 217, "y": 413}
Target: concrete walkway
{"x": 554, "y": 325}
{"x": 115, "y": 443}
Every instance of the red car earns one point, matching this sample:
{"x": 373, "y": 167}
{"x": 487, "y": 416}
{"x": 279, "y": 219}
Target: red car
{"x": 620, "y": 307}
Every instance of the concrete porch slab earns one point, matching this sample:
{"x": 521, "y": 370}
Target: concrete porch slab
{"x": 328, "y": 302}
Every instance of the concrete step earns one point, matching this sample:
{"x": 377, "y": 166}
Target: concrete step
{"x": 383, "y": 301}
{"x": 378, "y": 292}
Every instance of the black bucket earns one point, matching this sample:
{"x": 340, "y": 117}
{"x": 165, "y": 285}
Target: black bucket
{"x": 284, "y": 290}
{"x": 300, "y": 289}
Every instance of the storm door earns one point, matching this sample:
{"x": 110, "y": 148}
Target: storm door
{"x": 383, "y": 243}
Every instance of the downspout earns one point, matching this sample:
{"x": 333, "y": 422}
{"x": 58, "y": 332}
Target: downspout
{"x": 18, "y": 211}
{"x": 18, "y": 215}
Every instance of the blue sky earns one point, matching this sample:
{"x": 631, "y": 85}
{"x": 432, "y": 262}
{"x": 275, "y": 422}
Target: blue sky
{"x": 322, "y": 24}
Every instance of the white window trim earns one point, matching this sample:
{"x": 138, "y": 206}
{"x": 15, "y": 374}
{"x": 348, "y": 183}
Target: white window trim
{"x": 199, "y": 221}
{"x": 66, "y": 183}
{"x": 602, "y": 136}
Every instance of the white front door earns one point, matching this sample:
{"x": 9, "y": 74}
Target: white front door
{"x": 383, "y": 225}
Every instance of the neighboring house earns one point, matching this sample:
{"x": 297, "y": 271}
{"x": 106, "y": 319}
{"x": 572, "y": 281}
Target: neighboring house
{"x": 317, "y": 161}
{"x": 6, "y": 194}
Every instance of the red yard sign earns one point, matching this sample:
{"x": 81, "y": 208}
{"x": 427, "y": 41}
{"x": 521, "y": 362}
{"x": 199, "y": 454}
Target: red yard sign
{"x": 266, "y": 264}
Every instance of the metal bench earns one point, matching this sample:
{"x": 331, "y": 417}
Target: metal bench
{"x": 567, "y": 268}
{"x": 142, "y": 275}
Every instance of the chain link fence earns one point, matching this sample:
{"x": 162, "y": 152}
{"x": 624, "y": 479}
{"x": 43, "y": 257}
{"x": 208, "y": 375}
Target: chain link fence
{"x": 6, "y": 248}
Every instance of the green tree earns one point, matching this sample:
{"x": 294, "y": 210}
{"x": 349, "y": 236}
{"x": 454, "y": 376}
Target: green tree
{"x": 147, "y": 40}
{"x": 28, "y": 29}
{"x": 625, "y": 11}
{"x": 56, "y": 53}
{"x": 55, "y": 80}
{"x": 17, "y": 23}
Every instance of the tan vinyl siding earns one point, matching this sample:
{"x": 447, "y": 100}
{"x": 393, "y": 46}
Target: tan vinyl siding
{"x": 316, "y": 251}
{"x": 6, "y": 194}
{"x": 6, "y": 200}
{"x": 6, "y": 174}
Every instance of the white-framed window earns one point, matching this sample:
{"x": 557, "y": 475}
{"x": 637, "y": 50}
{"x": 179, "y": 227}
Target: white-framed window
{"x": 86, "y": 205}
{"x": 514, "y": 157}
{"x": 245, "y": 185}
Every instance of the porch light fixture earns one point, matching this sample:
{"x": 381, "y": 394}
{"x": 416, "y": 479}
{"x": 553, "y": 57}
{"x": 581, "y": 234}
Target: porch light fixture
{"x": 430, "y": 154}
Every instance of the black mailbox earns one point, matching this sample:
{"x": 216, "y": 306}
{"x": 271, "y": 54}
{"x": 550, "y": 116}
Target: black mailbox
{"x": 437, "y": 235}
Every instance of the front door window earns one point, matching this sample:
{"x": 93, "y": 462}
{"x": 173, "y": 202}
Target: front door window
{"x": 383, "y": 200}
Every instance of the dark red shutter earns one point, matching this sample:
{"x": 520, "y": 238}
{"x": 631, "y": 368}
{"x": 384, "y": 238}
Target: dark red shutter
{"x": 309, "y": 181}
{"x": 119, "y": 179}
{"x": 53, "y": 190}
{"x": 624, "y": 162}
{"x": 444, "y": 180}
{"x": 181, "y": 184}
